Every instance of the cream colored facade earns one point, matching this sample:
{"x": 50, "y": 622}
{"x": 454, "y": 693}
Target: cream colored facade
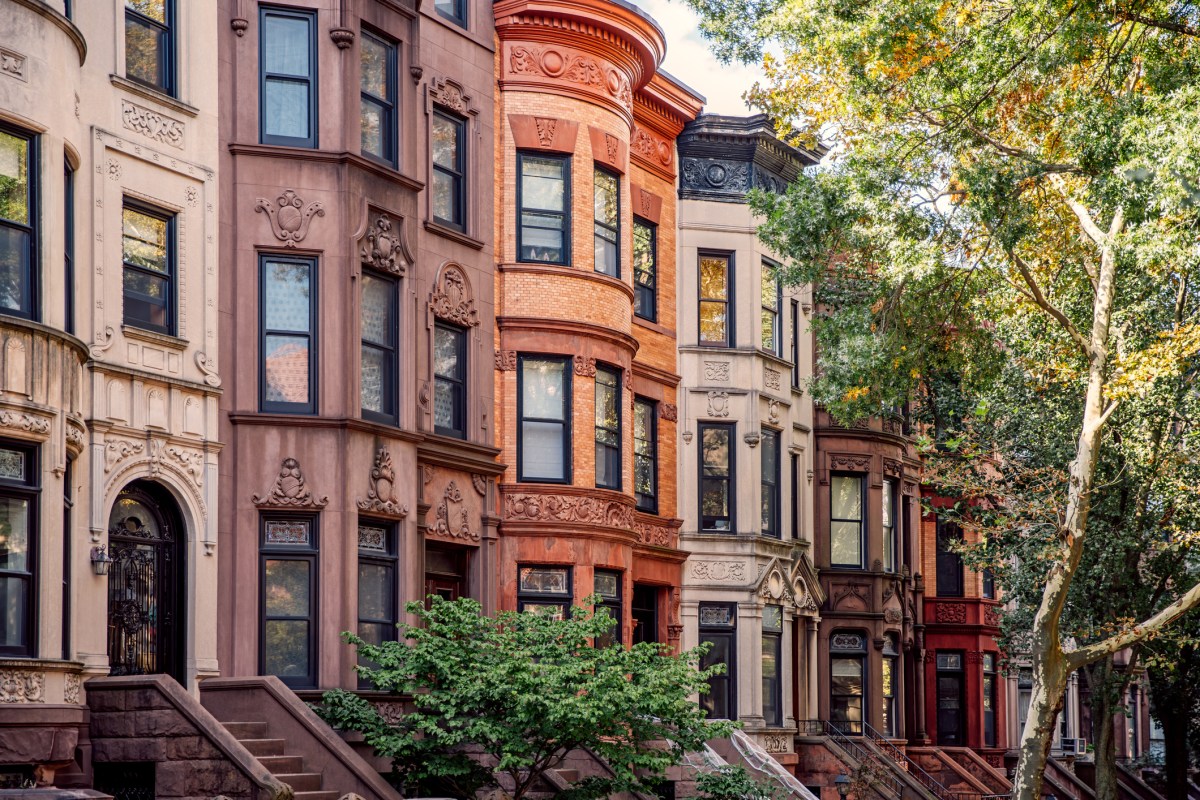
{"x": 102, "y": 403}
{"x": 747, "y": 384}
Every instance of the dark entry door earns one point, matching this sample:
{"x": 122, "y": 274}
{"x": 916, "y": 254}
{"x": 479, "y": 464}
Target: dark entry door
{"x": 145, "y": 583}
{"x": 950, "y": 709}
{"x": 445, "y": 572}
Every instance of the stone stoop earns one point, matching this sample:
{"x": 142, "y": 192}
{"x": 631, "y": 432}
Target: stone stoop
{"x": 287, "y": 769}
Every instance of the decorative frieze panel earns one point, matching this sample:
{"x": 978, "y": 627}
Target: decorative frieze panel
{"x": 654, "y": 534}
{"x": 707, "y": 174}
{"x": 290, "y": 490}
{"x": 543, "y": 507}
{"x": 24, "y": 422}
{"x": 12, "y": 64}
{"x": 719, "y": 571}
{"x": 22, "y": 686}
{"x": 849, "y": 462}
{"x": 771, "y": 378}
{"x": 716, "y": 370}
{"x": 151, "y": 124}
{"x": 950, "y": 613}
{"x": 289, "y": 216}
{"x": 653, "y": 148}
{"x": 559, "y": 66}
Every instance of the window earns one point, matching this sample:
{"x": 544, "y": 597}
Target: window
{"x": 288, "y": 65}
{"x": 148, "y": 251}
{"x": 889, "y": 526}
{"x": 453, "y": 10}
{"x": 772, "y": 661}
{"x": 19, "y": 479}
{"x": 379, "y": 352}
{"x": 989, "y": 583}
{"x": 1024, "y": 696}
{"x": 287, "y": 639}
{"x": 847, "y": 659}
{"x": 68, "y": 247}
{"x": 450, "y": 380}
{"x": 449, "y": 170}
{"x": 544, "y": 589}
{"x": 951, "y": 719}
{"x": 795, "y": 309}
{"x": 949, "y": 560}
{"x": 645, "y": 613}
{"x": 18, "y": 224}
{"x": 544, "y": 195}
{"x": 770, "y": 483}
{"x": 794, "y": 463}
{"x": 718, "y": 627}
{"x": 846, "y": 521}
{"x": 150, "y": 43}
{"x": 645, "y": 454}
{"x": 887, "y": 685}
{"x": 378, "y": 97}
{"x": 289, "y": 330}
{"x": 608, "y": 428}
{"x": 645, "y": 269}
{"x": 716, "y": 476}
{"x": 716, "y": 323}
{"x": 770, "y": 307}
{"x": 607, "y": 199}
{"x": 67, "y": 570}
{"x": 608, "y": 586}
{"x": 376, "y": 585}
{"x": 989, "y": 699}
{"x": 544, "y": 449}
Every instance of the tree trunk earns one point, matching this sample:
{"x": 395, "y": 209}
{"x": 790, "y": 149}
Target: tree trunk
{"x": 1049, "y": 690}
{"x": 1175, "y": 724}
{"x": 1103, "y": 717}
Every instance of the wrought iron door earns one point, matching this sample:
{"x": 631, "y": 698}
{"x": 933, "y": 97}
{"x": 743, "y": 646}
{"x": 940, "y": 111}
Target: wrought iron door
{"x": 144, "y": 584}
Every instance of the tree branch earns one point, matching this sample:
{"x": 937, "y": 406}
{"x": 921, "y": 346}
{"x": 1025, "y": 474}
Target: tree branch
{"x": 1161, "y": 24}
{"x": 1035, "y": 293}
{"x": 1140, "y": 632}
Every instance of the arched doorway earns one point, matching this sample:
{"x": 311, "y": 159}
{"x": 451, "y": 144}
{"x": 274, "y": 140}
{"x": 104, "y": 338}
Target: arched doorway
{"x": 146, "y": 583}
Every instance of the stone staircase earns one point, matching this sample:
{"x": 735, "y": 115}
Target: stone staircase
{"x": 270, "y": 752}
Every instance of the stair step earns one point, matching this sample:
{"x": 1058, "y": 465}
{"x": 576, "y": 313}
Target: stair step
{"x": 264, "y": 747}
{"x": 247, "y": 730}
{"x": 282, "y": 764}
{"x": 300, "y": 781}
{"x": 315, "y": 795}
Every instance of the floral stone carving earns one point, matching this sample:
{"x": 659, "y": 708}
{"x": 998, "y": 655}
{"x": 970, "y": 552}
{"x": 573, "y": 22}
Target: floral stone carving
{"x": 451, "y": 299}
{"x": 22, "y": 686}
{"x": 289, "y": 216}
{"x": 384, "y": 249}
{"x": 290, "y": 490}
{"x": 563, "y": 508}
{"x": 381, "y": 493}
{"x": 453, "y": 519}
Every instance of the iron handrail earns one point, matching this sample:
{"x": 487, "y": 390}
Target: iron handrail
{"x": 908, "y": 765}
{"x": 862, "y": 754}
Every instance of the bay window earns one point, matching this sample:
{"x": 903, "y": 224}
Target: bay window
{"x": 718, "y": 627}
{"x": 645, "y": 454}
{"x": 716, "y": 477}
{"x": 544, "y": 200}
{"x": 19, "y": 485}
{"x": 544, "y": 394}
{"x": 606, "y": 189}
{"x": 608, "y": 428}
{"x": 772, "y": 665}
{"x": 18, "y": 223}
{"x": 288, "y": 585}
{"x": 846, "y": 521}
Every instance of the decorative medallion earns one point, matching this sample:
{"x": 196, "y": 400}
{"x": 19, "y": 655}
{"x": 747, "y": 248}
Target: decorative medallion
{"x": 651, "y": 147}
{"x": 289, "y": 490}
{"x": 289, "y": 216}
{"x": 453, "y": 519}
{"x": 718, "y": 404}
{"x": 381, "y": 492}
{"x": 384, "y": 249}
{"x": 721, "y": 571}
{"x": 773, "y": 410}
{"x": 451, "y": 299}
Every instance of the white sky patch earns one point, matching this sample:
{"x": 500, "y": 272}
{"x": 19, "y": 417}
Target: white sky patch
{"x": 690, "y": 59}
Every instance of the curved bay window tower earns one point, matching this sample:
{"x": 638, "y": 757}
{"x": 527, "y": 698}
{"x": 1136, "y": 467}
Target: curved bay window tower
{"x": 586, "y": 403}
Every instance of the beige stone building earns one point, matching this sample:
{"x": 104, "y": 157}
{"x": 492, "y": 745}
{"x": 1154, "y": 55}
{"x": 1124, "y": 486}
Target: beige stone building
{"x": 745, "y": 425}
{"x": 108, "y": 379}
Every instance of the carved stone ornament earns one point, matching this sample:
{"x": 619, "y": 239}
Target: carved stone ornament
{"x": 892, "y": 616}
{"x": 718, "y": 404}
{"x": 892, "y": 468}
{"x": 451, "y": 299}
{"x": 852, "y": 594}
{"x": 289, "y": 216}
{"x": 950, "y": 613}
{"x": 453, "y": 519}
{"x": 650, "y": 147}
{"x": 383, "y": 249}
{"x": 20, "y": 421}
{"x": 117, "y": 450}
{"x": 12, "y": 64}
{"x": 585, "y": 367}
{"x": 151, "y": 124}
{"x": 545, "y": 130}
{"x": 776, "y": 743}
{"x": 506, "y": 360}
{"x": 654, "y": 535}
{"x": 710, "y": 174}
{"x": 289, "y": 490}
{"x": 567, "y": 508}
{"x": 75, "y": 437}
{"x": 991, "y": 616}
{"x": 381, "y": 492}
{"x": 72, "y": 686}
{"x": 571, "y": 67}
{"x": 342, "y": 37}
{"x": 104, "y": 341}
{"x": 479, "y": 482}
{"x": 719, "y": 571}
{"x": 391, "y": 712}
{"x": 22, "y": 686}
{"x": 449, "y": 94}
{"x": 668, "y": 411}
{"x": 205, "y": 364}
{"x": 771, "y": 378}
{"x": 775, "y": 585}
{"x": 716, "y": 370}
{"x": 190, "y": 461}
{"x": 773, "y": 411}
{"x": 846, "y": 461}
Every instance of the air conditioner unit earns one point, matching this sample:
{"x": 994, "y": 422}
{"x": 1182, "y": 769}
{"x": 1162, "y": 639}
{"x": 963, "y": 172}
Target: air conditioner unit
{"x": 1074, "y": 747}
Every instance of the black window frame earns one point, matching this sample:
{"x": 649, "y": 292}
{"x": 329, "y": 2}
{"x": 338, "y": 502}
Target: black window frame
{"x": 858, "y": 654}
{"x": 794, "y": 498}
{"x": 795, "y": 321}
{"x": 644, "y": 612}
{"x": 313, "y": 335}
{"x": 31, "y": 279}
{"x": 961, "y": 671}
{"x": 714, "y": 633}
{"x": 68, "y": 247}
{"x": 388, "y": 106}
{"x": 947, "y": 562}
{"x": 312, "y": 80}
{"x": 600, "y": 227}
{"x": 563, "y": 599}
{"x": 776, "y": 348}
{"x": 309, "y": 554}
{"x": 391, "y": 349}
{"x": 890, "y": 534}
{"x": 861, "y": 521}
{"x": 459, "y": 19}
{"x": 647, "y": 503}
{"x": 615, "y": 605}
{"x": 29, "y": 489}
{"x": 730, "y": 479}
{"x": 172, "y": 276}
{"x": 565, "y": 214}
{"x": 773, "y": 638}
{"x": 615, "y": 374}
{"x": 645, "y": 293}
{"x": 988, "y": 694}
{"x": 730, "y": 301}
{"x": 566, "y": 422}
{"x": 458, "y": 386}
{"x": 168, "y": 54}
{"x": 989, "y": 584}
{"x": 890, "y": 662}
{"x": 771, "y": 485}
{"x": 389, "y": 559}
{"x": 458, "y": 174}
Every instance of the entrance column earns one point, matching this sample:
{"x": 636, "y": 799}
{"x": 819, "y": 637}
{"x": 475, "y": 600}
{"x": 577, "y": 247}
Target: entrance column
{"x": 812, "y": 668}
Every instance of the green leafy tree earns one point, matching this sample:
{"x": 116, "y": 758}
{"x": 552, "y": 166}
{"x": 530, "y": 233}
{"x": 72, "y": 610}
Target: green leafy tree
{"x": 513, "y": 695}
{"x": 1010, "y": 200}
{"x": 733, "y": 783}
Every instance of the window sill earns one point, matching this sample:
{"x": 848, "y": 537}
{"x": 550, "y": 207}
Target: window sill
{"x": 453, "y": 235}
{"x": 154, "y": 94}
{"x": 153, "y": 337}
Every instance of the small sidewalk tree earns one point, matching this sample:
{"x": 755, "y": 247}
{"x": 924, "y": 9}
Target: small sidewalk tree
{"x": 513, "y": 695}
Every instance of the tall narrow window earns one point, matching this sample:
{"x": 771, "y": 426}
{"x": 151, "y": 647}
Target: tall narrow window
{"x": 608, "y": 428}
{"x": 716, "y": 477}
{"x": 847, "y": 673}
{"x": 288, "y": 341}
{"x": 150, "y": 43}
{"x": 718, "y": 627}
{"x": 770, "y": 483}
{"x": 453, "y": 10}
{"x": 288, "y": 68}
{"x": 607, "y": 584}
{"x": 68, "y": 248}
{"x": 67, "y": 561}
{"x": 544, "y": 589}
{"x": 19, "y": 479}
{"x": 794, "y": 473}
{"x": 645, "y": 269}
{"x": 287, "y": 638}
{"x": 544, "y": 449}
{"x": 645, "y": 454}
{"x": 607, "y": 200}
{"x": 989, "y": 699}
{"x": 949, "y": 560}
{"x": 645, "y": 613}
{"x": 449, "y": 170}
{"x": 544, "y": 197}
{"x": 18, "y": 224}
{"x": 148, "y": 251}
{"x": 450, "y": 380}
{"x": 376, "y": 584}
{"x": 770, "y": 308}
{"x": 889, "y": 526}
{"x": 795, "y": 308}
{"x": 951, "y": 716}
{"x": 772, "y": 665}
{"x": 846, "y": 521}
{"x": 989, "y": 583}
{"x": 887, "y": 685}
{"x": 377, "y": 96}
{"x": 716, "y": 323}
{"x": 380, "y": 360}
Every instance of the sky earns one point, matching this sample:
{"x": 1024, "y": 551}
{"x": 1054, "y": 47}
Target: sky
{"x": 690, "y": 59}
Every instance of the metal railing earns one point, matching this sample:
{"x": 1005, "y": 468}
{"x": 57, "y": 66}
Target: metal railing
{"x": 864, "y": 755}
{"x": 931, "y": 784}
